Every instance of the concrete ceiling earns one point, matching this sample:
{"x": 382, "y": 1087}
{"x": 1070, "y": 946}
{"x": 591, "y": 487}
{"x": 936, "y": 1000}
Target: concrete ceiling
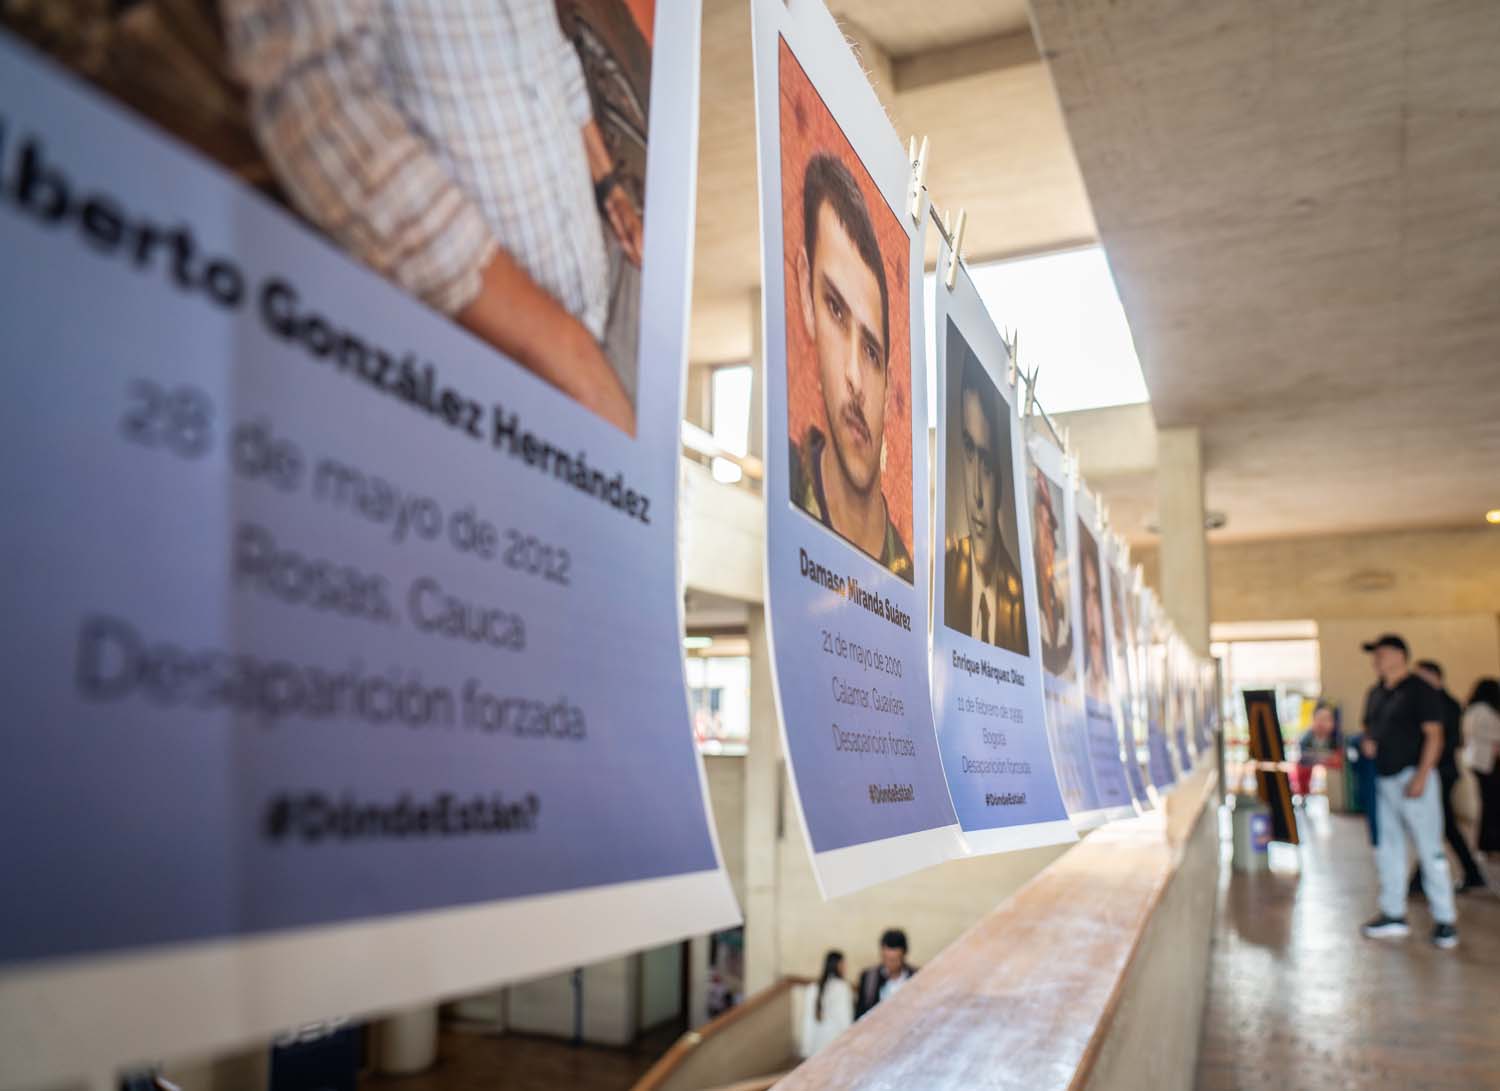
{"x": 966, "y": 74}
{"x": 1301, "y": 205}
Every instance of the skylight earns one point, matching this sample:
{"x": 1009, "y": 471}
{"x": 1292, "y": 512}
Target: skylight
{"x": 1071, "y": 324}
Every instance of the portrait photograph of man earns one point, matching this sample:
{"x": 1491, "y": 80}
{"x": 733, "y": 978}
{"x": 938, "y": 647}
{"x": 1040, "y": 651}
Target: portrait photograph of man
{"x": 982, "y": 590}
{"x": 1051, "y": 550}
{"x": 1095, "y": 658}
{"x": 486, "y": 157}
{"x": 848, "y": 342}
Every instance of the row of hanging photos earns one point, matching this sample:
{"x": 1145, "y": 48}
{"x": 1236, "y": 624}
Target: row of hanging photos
{"x": 952, "y": 229}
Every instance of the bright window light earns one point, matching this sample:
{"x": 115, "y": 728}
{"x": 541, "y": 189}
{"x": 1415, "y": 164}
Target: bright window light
{"x": 1071, "y": 323}
{"x": 730, "y": 409}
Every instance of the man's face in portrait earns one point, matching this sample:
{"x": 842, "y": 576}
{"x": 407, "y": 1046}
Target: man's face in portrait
{"x": 843, "y": 313}
{"x": 1046, "y": 553}
{"x": 1093, "y": 613}
{"x": 980, "y": 482}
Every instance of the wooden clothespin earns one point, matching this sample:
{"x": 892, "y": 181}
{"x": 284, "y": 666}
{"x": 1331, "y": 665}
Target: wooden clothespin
{"x": 918, "y": 159}
{"x": 1013, "y": 352}
{"x": 1030, "y": 378}
{"x": 957, "y": 236}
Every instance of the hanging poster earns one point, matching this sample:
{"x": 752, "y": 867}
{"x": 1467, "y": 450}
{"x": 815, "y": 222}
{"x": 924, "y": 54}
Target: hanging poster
{"x": 847, "y": 539}
{"x": 1211, "y": 714}
{"x": 1053, "y": 539}
{"x": 986, "y": 658}
{"x": 1159, "y": 766}
{"x": 1092, "y": 650}
{"x": 1124, "y": 668}
{"x": 1180, "y": 691}
{"x": 343, "y": 645}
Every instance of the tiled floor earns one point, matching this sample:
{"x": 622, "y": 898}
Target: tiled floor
{"x": 1299, "y": 1001}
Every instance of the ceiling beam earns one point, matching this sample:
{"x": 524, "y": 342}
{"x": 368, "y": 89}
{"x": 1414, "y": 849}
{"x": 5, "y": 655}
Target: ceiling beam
{"x": 978, "y": 57}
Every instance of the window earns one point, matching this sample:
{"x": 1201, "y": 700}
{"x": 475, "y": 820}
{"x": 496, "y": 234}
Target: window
{"x": 1071, "y": 323}
{"x": 729, "y": 411}
{"x": 719, "y": 695}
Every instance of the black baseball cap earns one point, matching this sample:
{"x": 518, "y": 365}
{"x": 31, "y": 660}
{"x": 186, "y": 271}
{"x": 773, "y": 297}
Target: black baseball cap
{"x": 1386, "y": 640}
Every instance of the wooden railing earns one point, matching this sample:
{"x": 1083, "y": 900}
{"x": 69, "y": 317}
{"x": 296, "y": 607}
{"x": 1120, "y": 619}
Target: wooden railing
{"x": 1090, "y": 976}
{"x": 747, "y": 1047}
{"x": 699, "y": 444}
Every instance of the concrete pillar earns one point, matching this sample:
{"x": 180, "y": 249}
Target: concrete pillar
{"x": 758, "y": 376}
{"x": 697, "y": 399}
{"x": 406, "y": 1041}
{"x": 1184, "y": 544}
{"x": 762, "y": 783}
{"x": 697, "y": 1013}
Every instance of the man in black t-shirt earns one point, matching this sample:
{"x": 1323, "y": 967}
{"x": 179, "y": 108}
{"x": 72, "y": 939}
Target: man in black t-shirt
{"x": 1406, "y": 727}
{"x": 1453, "y": 741}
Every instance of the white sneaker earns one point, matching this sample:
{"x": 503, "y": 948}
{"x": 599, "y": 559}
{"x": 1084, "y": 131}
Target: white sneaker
{"x": 1383, "y": 927}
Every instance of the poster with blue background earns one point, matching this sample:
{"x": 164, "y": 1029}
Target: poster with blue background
{"x": 986, "y": 659}
{"x": 1124, "y": 665}
{"x": 1050, "y": 481}
{"x": 342, "y": 651}
{"x": 1159, "y": 767}
{"x": 1094, "y": 661}
{"x": 848, "y": 553}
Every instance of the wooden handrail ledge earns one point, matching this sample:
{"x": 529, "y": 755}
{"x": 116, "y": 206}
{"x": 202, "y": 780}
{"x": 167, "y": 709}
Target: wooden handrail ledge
{"x": 671, "y": 1063}
{"x": 1026, "y": 998}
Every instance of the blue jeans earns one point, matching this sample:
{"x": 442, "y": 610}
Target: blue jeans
{"x": 1421, "y": 819}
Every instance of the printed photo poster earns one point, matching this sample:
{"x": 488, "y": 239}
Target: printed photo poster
{"x": 1054, "y": 540}
{"x": 1209, "y": 687}
{"x": 1180, "y": 692}
{"x": 848, "y": 551}
{"x": 1192, "y": 680}
{"x": 1197, "y": 682}
{"x": 345, "y": 668}
{"x": 1159, "y": 768}
{"x": 986, "y": 657}
{"x": 1092, "y": 649}
{"x": 1124, "y": 666}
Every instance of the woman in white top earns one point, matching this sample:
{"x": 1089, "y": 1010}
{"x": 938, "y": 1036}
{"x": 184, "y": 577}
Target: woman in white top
{"x": 829, "y": 1008}
{"x": 1481, "y": 726}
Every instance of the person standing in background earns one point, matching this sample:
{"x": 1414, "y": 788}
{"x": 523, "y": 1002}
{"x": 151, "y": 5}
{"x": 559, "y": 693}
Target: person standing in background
{"x": 829, "y": 1010}
{"x": 1431, "y": 673}
{"x": 883, "y": 980}
{"x": 1362, "y": 754}
{"x": 1407, "y": 730}
{"x": 1481, "y": 731}
{"x": 1322, "y": 742}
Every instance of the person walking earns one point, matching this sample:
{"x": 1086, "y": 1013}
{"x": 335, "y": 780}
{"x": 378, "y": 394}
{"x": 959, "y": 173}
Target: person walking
{"x": 830, "y": 1007}
{"x": 1481, "y": 730}
{"x": 1453, "y": 740}
{"x": 1406, "y": 729}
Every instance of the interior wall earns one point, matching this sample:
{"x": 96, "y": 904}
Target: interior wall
{"x": 1467, "y": 646}
{"x": 934, "y": 906}
{"x": 1150, "y": 1045}
{"x": 661, "y": 985}
{"x": 726, "y": 796}
{"x": 1419, "y": 573}
{"x": 1440, "y": 589}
